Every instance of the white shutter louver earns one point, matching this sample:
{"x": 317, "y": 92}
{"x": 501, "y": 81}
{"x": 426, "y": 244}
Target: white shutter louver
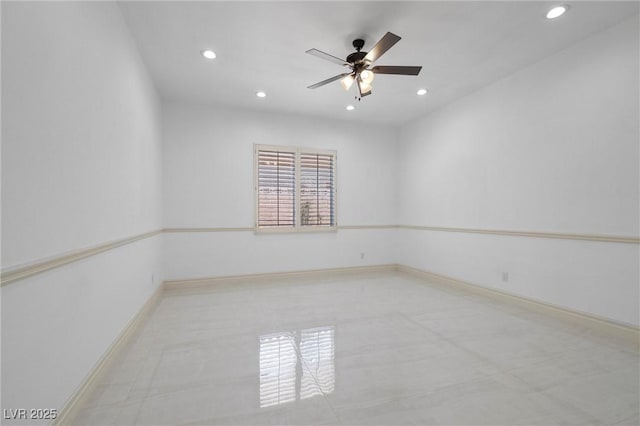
{"x": 276, "y": 188}
{"x": 317, "y": 189}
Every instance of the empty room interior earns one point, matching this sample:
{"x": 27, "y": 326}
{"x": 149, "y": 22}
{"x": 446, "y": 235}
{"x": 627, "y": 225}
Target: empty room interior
{"x": 320, "y": 213}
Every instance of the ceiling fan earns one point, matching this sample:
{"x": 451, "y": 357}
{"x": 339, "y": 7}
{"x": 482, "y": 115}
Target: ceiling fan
{"x": 359, "y": 63}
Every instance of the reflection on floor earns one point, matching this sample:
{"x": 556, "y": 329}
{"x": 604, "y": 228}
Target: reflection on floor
{"x": 282, "y": 379}
{"x": 361, "y": 349}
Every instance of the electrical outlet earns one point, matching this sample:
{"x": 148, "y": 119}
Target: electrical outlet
{"x": 361, "y": 256}
{"x": 505, "y": 277}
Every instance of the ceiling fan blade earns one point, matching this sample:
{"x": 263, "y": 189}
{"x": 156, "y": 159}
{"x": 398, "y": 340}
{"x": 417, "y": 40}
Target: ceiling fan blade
{"x": 327, "y": 81}
{"x": 396, "y": 70}
{"x": 322, "y": 55}
{"x": 385, "y": 43}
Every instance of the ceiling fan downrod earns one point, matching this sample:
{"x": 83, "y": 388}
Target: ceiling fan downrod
{"x": 357, "y": 57}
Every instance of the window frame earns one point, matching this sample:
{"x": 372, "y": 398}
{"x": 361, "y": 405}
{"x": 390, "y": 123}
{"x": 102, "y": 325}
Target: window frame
{"x": 298, "y": 227}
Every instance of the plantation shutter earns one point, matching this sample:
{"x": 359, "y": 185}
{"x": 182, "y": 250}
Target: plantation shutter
{"x": 317, "y": 203}
{"x": 276, "y": 188}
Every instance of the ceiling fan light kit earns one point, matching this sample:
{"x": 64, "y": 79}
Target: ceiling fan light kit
{"x": 359, "y": 63}
{"x": 347, "y": 82}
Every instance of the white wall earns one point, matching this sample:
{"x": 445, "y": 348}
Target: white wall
{"x": 208, "y": 181}
{"x": 81, "y": 166}
{"x": 551, "y": 148}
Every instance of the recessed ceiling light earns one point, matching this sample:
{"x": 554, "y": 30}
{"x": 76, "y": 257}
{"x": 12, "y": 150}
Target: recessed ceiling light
{"x": 209, "y": 54}
{"x": 261, "y": 94}
{"x": 350, "y": 107}
{"x": 556, "y": 11}
{"x": 422, "y": 92}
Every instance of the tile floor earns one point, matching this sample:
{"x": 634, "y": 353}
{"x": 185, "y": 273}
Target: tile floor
{"x": 361, "y": 349}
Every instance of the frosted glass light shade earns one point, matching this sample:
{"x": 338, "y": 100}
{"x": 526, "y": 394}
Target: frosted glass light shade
{"x": 367, "y": 77}
{"x": 347, "y": 82}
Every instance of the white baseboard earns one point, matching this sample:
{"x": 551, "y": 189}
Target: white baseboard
{"x": 71, "y": 408}
{"x": 625, "y": 334}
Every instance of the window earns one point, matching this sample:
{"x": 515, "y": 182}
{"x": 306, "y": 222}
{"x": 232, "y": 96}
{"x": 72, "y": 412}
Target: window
{"x": 295, "y": 189}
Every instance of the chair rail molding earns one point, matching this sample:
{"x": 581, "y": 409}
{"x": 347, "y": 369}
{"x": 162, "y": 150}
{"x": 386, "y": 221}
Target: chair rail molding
{"x": 13, "y": 274}
{"x": 622, "y": 239}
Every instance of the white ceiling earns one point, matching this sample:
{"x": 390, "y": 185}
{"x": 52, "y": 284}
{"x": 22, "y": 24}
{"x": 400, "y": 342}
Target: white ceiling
{"x": 462, "y": 46}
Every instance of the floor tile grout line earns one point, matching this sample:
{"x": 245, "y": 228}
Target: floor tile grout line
{"x": 315, "y": 379}
{"x": 509, "y": 374}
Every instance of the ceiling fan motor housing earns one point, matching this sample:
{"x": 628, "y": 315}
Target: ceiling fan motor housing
{"x": 358, "y": 56}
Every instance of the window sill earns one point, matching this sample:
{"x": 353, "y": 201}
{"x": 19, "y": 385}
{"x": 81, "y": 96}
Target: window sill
{"x": 301, "y": 230}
